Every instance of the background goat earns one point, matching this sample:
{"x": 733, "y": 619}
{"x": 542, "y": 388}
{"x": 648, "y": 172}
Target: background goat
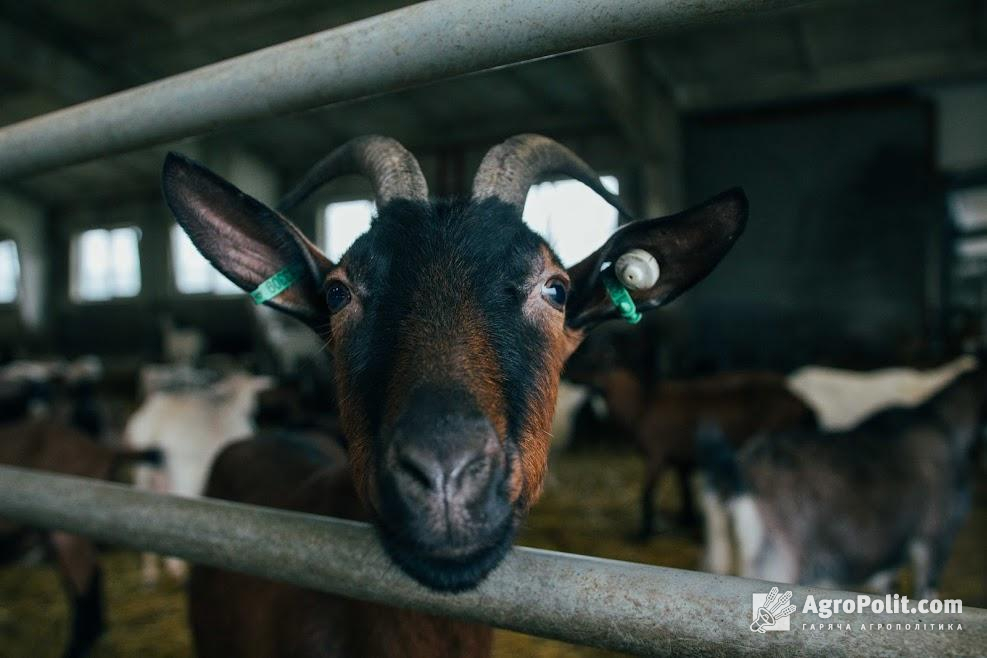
{"x": 841, "y": 399}
{"x": 663, "y": 416}
{"x": 59, "y": 448}
{"x": 838, "y": 509}
{"x": 190, "y": 427}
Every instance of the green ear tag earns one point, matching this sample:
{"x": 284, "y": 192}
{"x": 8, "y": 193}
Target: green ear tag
{"x": 620, "y": 297}
{"x": 274, "y": 286}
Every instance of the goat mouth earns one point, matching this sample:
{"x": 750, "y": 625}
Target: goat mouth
{"x": 449, "y": 569}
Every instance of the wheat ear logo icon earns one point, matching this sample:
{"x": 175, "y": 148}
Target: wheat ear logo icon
{"x": 775, "y": 607}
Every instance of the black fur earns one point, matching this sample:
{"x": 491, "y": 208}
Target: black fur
{"x": 88, "y": 623}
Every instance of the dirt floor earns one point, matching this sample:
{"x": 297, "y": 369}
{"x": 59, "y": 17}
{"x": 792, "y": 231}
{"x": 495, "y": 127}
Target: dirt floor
{"x": 589, "y": 507}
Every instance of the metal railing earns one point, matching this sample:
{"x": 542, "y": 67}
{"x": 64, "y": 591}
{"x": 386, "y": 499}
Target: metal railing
{"x": 411, "y": 46}
{"x": 591, "y": 601}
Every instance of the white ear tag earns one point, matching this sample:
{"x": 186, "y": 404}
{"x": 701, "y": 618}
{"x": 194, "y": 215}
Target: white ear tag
{"x": 637, "y": 270}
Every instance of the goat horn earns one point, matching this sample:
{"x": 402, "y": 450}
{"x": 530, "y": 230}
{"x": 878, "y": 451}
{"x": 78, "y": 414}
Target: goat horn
{"x": 509, "y": 169}
{"x": 392, "y": 170}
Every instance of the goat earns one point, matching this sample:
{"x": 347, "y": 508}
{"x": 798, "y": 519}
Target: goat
{"x": 839, "y": 509}
{"x": 448, "y": 323}
{"x": 841, "y": 399}
{"x": 190, "y": 428}
{"x": 303, "y": 473}
{"x": 663, "y": 418}
{"x": 52, "y": 446}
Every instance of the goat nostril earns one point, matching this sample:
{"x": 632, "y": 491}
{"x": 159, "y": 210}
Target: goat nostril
{"x": 473, "y": 469}
{"x": 420, "y": 473}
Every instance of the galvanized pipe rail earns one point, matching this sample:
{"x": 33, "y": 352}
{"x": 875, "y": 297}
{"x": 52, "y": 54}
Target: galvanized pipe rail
{"x": 410, "y": 46}
{"x": 602, "y": 603}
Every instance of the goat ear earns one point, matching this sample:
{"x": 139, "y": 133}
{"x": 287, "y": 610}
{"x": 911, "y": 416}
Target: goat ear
{"x": 244, "y": 239}
{"x": 687, "y": 247}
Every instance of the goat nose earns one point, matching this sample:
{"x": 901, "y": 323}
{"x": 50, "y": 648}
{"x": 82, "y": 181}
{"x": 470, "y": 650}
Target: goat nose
{"x": 448, "y": 472}
{"x": 456, "y": 468}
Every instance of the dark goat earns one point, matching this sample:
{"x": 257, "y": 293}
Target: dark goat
{"x": 448, "y": 323}
{"x": 52, "y": 446}
{"x": 664, "y": 417}
{"x": 843, "y": 508}
{"x": 304, "y": 473}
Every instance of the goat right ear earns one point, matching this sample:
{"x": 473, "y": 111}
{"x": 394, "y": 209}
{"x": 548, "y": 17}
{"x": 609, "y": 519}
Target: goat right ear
{"x": 686, "y": 246}
{"x": 244, "y": 239}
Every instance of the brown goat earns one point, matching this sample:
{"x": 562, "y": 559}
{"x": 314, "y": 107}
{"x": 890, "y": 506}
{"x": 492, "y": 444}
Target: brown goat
{"x": 448, "y": 323}
{"x": 665, "y": 419}
{"x": 56, "y": 447}
{"x": 304, "y": 473}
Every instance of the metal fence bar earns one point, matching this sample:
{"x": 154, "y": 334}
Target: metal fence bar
{"x": 410, "y": 46}
{"x": 603, "y": 603}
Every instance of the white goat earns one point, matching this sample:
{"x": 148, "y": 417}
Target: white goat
{"x": 842, "y": 399}
{"x": 190, "y": 428}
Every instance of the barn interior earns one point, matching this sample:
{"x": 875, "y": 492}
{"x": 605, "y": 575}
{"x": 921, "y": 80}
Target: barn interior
{"x": 857, "y": 130}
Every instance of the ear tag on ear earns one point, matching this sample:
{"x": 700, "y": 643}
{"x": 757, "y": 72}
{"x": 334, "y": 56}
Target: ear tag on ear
{"x": 637, "y": 270}
{"x": 274, "y": 286}
{"x": 620, "y": 297}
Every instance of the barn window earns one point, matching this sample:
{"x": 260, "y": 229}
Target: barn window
{"x": 106, "y": 264}
{"x": 193, "y": 273}
{"x": 571, "y": 217}
{"x": 970, "y": 209}
{"x": 342, "y": 223}
{"x": 969, "y": 214}
{"x": 10, "y": 271}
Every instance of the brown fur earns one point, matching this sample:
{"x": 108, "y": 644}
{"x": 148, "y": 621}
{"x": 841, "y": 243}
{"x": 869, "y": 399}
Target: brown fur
{"x": 237, "y": 615}
{"x": 664, "y": 422}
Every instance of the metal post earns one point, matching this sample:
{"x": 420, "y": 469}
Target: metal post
{"x": 411, "y": 46}
{"x": 603, "y": 603}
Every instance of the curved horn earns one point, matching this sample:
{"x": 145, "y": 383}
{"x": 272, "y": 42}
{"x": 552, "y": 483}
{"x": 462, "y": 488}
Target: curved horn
{"x": 509, "y": 169}
{"x": 392, "y": 170}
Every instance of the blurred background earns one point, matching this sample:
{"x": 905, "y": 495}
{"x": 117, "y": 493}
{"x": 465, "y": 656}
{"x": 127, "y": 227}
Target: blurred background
{"x": 857, "y": 129}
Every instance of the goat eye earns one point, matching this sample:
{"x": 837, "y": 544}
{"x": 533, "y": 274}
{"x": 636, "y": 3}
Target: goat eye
{"x": 554, "y": 292}
{"x": 337, "y": 296}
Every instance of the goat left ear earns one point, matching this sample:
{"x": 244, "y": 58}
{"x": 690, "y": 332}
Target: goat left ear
{"x": 245, "y": 240}
{"x": 687, "y": 247}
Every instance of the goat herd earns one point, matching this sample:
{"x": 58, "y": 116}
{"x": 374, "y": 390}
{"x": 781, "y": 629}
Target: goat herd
{"x": 446, "y": 329}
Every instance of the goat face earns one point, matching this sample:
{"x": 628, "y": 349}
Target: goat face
{"x": 449, "y": 323}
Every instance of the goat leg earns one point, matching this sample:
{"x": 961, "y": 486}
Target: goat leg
{"x": 83, "y": 583}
